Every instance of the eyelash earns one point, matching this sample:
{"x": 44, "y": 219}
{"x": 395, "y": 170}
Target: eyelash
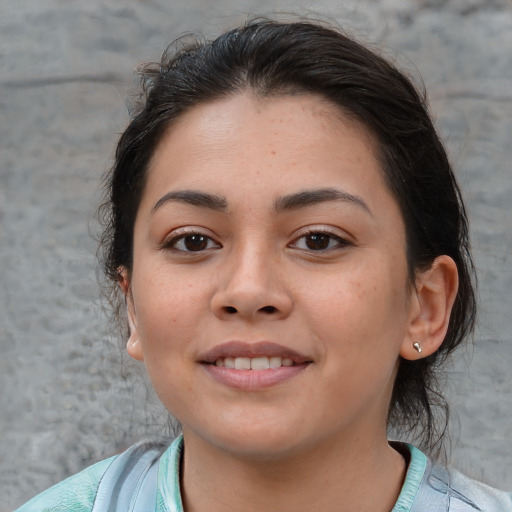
{"x": 172, "y": 242}
{"x": 208, "y": 243}
{"x": 339, "y": 241}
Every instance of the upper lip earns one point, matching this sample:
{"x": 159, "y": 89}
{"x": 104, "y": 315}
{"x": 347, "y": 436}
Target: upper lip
{"x": 257, "y": 349}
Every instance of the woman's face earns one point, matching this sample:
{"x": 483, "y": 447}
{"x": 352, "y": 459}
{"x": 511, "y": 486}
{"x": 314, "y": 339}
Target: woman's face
{"x": 266, "y": 238}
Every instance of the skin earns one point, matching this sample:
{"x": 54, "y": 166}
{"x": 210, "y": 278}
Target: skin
{"x": 320, "y": 436}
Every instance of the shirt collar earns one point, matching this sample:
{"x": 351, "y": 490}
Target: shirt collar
{"x": 169, "y": 494}
{"x": 413, "y": 479}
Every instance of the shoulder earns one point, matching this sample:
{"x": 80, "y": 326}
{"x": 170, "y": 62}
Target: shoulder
{"x": 112, "y": 484}
{"x": 431, "y": 487}
{"x": 466, "y": 491}
{"x": 452, "y": 491}
{"x": 75, "y": 494}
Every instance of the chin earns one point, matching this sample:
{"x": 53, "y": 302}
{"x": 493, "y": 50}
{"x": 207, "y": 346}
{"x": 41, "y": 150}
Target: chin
{"x": 261, "y": 449}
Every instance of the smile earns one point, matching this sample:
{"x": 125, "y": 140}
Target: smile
{"x": 254, "y": 363}
{"x": 253, "y": 366}
{"x": 260, "y": 355}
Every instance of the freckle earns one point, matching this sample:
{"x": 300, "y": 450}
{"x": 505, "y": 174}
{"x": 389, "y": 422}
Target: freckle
{"x": 272, "y": 152}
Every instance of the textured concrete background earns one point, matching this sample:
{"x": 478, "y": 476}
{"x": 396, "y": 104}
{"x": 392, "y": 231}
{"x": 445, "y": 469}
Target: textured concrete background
{"x": 67, "y": 397}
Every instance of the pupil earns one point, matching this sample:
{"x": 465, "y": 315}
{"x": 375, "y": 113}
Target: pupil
{"x": 317, "y": 241}
{"x": 196, "y": 242}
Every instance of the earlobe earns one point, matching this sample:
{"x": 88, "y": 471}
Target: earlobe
{"x": 432, "y": 302}
{"x": 134, "y": 348}
{"x": 133, "y": 345}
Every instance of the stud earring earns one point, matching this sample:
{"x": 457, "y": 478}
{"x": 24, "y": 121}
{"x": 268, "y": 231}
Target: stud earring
{"x": 417, "y": 347}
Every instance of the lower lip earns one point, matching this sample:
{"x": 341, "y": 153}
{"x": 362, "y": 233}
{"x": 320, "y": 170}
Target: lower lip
{"x": 254, "y": 379}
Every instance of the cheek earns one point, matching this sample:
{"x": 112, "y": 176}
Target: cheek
{"x": 168, "y": 313}
{"x": 360, "y": 312}
{"x": 168, "y": 309}
{"x": 363, "y": 328}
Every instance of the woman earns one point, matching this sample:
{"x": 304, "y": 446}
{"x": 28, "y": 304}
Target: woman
{"x": 286, "y": 230}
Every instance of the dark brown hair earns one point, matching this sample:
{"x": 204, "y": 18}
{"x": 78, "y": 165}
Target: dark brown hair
{"x": 271, "y": 58}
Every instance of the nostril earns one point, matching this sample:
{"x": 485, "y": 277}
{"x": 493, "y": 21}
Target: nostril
{"x": 231, "y": 310}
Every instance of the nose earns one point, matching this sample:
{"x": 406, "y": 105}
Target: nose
{"x": 252, "y": 287}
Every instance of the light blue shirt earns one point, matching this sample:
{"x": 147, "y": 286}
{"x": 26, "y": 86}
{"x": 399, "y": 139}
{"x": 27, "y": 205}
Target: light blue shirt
{"x": 428, "y": 487}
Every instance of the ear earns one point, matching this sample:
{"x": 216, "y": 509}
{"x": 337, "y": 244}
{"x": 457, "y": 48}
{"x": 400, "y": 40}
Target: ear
{"x": 133, "y": 345}
{"x": 432, "y": 300}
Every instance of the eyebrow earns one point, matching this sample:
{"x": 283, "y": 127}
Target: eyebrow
{"x": 282, "y": 204}
{"x": 311, "y": 197}
{"x": 194, "y": 198}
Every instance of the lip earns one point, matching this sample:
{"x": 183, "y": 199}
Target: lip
{"x": 253, "y": 380}
{"x": 257, "y": 349}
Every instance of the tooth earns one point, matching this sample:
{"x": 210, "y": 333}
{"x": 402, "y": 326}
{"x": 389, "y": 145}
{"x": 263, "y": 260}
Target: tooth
{"x": 287, "y": 362}
{"x": 259, "y": 363}
{"x": 275, "y": 362}
{"x": 219, "y": 362}
{"x": 229, "y": 362}
{"x": 242, "y": 363}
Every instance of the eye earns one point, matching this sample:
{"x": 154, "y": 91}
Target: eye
{"x": 319, "y": 241}
{"x": 191, "y": 242}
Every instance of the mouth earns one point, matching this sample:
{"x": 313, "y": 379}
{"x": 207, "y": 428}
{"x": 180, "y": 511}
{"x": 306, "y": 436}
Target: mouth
{"x": 253, "y": 366}
{"x": 261, "y": 355}
{"x": 254, "y": 363}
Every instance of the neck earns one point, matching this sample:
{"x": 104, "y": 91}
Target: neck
{"x": 340, "y": 476}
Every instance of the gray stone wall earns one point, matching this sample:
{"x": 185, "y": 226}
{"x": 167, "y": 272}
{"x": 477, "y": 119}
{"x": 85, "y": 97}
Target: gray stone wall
{"x": 67, "y": 395}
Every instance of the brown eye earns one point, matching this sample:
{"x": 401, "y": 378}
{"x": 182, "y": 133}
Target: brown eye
{"x": 317, "y": 241}
{"x": 193, "y": 242}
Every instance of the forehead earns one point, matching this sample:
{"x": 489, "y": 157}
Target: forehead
{"x": 279, "y": 114}
{"x": 294, "y": 136}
